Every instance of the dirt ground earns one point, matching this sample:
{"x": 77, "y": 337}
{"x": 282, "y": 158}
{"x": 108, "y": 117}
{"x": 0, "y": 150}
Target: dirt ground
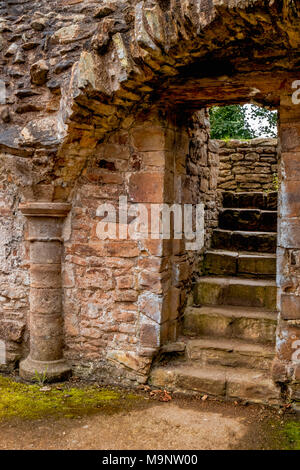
{"x": 151, "y": 425}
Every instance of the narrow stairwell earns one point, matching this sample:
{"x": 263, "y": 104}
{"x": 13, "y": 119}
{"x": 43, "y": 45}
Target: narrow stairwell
{"x": 229, "y": 332}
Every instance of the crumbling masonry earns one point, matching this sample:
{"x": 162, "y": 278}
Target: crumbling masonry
{"x": 110, "y": 98}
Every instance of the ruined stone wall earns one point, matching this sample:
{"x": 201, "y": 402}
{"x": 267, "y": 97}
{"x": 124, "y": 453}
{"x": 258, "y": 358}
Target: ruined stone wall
{"x": 77, "y": 71}
{"x": 248, "y": 165}
{"x": 14, "y": 276}
{"x": 123, "y": 298}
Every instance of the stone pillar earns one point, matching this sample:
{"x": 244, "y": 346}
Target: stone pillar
{"x": 45, "y": 221}
{"x": 287, "y": 363}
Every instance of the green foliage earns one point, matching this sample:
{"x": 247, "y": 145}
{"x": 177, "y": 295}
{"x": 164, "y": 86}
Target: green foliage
{"x": 234, "y": 122}
{"x": 229, "y": 122}
{"x": 40, "y": 379}
{"x": 267, "y": 121}
{"x": 275, "y": 182}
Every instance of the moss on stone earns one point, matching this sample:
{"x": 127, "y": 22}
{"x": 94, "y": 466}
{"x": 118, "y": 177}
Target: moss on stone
{"x": 291, "y": 432}
{"x": 283, "y": 435}
{"x": 19, "y": 400}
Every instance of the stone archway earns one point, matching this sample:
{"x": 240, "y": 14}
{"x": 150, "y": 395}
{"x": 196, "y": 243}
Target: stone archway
{"x": 147, "y": 62}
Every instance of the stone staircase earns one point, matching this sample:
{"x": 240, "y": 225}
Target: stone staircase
{"x": 229, "y": 332}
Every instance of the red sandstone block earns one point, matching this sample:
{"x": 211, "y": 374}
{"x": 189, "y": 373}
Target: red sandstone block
{"x": 124, "y": 282}
{"x": 289, "y": 233}
{"x": 91, "y": 333}
{"x": 151, "y": 281}
{"x": 68, "y": 276}
{"x": 156, "y": 247}
{"x": 287, "y": 342}
{"x": 44, "y": 228}
{"x": 279, "y": 371}
{"x": 148, "y": 138}
{"x": 110, "y": 178}
{"x": 157, "y": 158}
{"x": 149, "y": 335}
{"x": 126, "y": 295}
{"x": 290, "y": 165}
{"x": 126, "y": 249}
{"x": 146, "y": 187}
{"x": 152, "y": 263}
{"x": 151, "y": 305}
{"x": 174, "y": 303}
{"x": 45, "y": 252}
{"x": 297, "y": 372}
{"x": 290, "y": 137}
{"x": 114, "y": 151}
{"x": 105, "y": 191}
{"x": 71, "y": 325}
{"x": 290, "y": 307}
{"x": 117, "y": 262}
{"x": 46, "y": 300}
{"x": 130, "y": 329}
{"x": 78, "y": 260}
{"x": 46, "y": 348}
{"x": 43, "y": 276}
{"x": 123, "y": 316}
{"x": 114, "y": 248}
{"x": 11, "y": 330}
{"x": 94, "y": 277}
{"x": 290, "y": 198}
{"x": 45, "y": 325}
{"x": 120, "y": 138}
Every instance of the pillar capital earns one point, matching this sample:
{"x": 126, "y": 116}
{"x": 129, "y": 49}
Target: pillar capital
{"x": 45, "y": 209}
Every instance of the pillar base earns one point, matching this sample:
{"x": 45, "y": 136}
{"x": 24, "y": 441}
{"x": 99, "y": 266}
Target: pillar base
{"x": 54, "y": 371}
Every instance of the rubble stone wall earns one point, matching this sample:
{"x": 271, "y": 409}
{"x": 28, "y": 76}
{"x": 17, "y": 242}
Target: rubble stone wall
{"x": 248, "y": 165}
{"x": 77, "y": 72}
{"x": 123, "y": 298}
{"x": 14, "y": 276}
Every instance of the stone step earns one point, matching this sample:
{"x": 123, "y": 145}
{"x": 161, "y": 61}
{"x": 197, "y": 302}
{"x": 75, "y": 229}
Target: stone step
{"x": 264, "y": 242}
{"x": 250, "y": 200}
{"x": 245, "y": 292}
{"x": 233, "y": 263}
{"x": 249, "y": 324}
{"x": 223, "y": 382}
{"x": 248, "y": 220}
{"x": 230, "y": 353}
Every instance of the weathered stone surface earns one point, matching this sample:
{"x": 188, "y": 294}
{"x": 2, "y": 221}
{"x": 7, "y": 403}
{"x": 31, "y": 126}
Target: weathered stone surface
{"x": 219, "y": 381}
{"x": 46, "y": 324}
{"x": 234, "y": 291}
{"x": 230, "y": 353}
{"x": 245, "y": 241}
{"x": 39, "y": 72}
{"x": 116, "y": 117}
{"x": 248, "y": 219}
{"x": 245, "y": 167}
{"x": 290, "y": 307}
{"x": 252, "y": 324}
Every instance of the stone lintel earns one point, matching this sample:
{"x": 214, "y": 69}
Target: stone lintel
{"x": 45, "y": 209}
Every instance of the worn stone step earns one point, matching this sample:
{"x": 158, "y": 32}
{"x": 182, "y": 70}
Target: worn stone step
{"x": 230, "y": 352}
{"x": 264, "y": 242}
{"x": 235, "y": 291}
{"x": 250, "y": 200}
{"x": 249, "y": 324}
{"x": 233, "y": 263}
{"x": 224, "y": 382}
{"x": 248, "y": 219}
